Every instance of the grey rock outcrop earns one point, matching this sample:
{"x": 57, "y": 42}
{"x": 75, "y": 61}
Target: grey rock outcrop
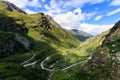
{"x": 23, "y": 40}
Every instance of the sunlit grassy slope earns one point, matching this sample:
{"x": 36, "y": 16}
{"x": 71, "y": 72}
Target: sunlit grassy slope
{"x": 85, "y": 49}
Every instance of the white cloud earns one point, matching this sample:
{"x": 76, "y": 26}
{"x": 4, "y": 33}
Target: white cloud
{"x": 33, "y": 3}
{"x": 93, "y": 28}
{"x": 19, "y": 3}
{"x": 29, "y": 11}
{"x": 90, "y": 15}
{"x": 98, "y": 18}
{"x": 24, "y": 3}
{"x": 46, "y": 7}
{"x": 53, "y": 8}
{"x": 115, "y": 3}
{"x": 61, "y": 6}
{"x": 113, "y": 12}
{"x": 70, "y": 19}
{"x": 43, "y": 0}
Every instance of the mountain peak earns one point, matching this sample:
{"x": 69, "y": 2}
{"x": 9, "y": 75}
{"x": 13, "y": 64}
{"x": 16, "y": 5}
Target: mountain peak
{"x": 75, "y": 30}
{"x": 115, "y": 27}
{"x": 11, "y": 7}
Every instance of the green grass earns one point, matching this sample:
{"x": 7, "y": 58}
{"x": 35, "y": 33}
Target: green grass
{"x": 9, "y": 71}
{"x": 74, "y": 73}
{"x": 17, "y": 58}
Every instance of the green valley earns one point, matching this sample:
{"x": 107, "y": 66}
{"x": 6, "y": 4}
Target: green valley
{"x": 36, "y": 47}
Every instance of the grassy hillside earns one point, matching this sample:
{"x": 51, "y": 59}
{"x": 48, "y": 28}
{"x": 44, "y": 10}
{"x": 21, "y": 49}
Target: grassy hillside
{"x": 89, "y": 45}
{"x": 85, "y": 49}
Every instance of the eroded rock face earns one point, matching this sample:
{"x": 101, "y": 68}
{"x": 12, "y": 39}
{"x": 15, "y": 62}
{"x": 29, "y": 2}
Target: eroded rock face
{"x": 10, "y": 43}
{"x": 42, "y": 21}
{"x": 24, "y": 41}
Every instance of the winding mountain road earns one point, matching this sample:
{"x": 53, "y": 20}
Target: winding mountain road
{"x": 26, "y": 63}
{"x": 30, "y": 64}
{"x": 47, "y": 58}
{"x": 42, "y": 63}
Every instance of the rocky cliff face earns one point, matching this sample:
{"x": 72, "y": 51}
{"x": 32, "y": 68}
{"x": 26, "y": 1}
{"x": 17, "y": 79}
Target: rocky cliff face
{"x": 41, "y": 21}
{"x": 112, "y": 34}
{"x": 105, "y": 62}
{"x": 7, "y": 43}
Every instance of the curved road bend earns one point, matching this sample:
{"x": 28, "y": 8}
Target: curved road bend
{"x": 47, "y": 69}
{"x": 42, "y": 63}
{"x": 25, "y": 62}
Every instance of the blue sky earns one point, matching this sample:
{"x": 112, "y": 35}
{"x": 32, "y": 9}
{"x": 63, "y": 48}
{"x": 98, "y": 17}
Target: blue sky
{"x": 92, "y": 16}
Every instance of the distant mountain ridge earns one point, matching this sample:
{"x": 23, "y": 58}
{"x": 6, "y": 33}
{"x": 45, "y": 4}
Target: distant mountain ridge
{"x": 80, "y": 35}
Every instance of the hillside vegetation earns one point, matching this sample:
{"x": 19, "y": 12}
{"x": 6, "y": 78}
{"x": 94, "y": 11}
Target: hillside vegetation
{"x": 22, "y": 35}
{"x": 103, "y": 64}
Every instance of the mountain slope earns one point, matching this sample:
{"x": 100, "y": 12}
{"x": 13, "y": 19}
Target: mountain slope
{"x": 37, "y": 26}
{"x": 22, "y": 35}
{"x": 106, "y": 58}
{"x": 92, "y": 43}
